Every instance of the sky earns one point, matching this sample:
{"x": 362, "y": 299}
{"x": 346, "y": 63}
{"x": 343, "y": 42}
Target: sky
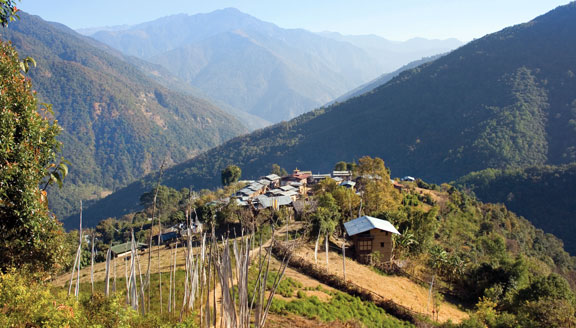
{"x": 392, "y": 19}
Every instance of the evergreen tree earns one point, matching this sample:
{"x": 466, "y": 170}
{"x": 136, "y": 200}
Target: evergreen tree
{"x": 230, "y": 175}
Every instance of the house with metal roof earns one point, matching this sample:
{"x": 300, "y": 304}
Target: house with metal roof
{"x": 371, "y": 237}
{"x": 345, "y": 175}
{"x": 273, "y": 202}
{"x": 125, "y": 249}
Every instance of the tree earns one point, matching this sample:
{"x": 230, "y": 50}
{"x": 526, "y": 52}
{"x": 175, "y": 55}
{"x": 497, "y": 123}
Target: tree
{"x": 344, "y": 166}
{"x": 31, "y": 235}
{"x": 8, "y": 12}
{"x": 230, "y": 175}
{"x": 378, "y": 193}
{"x": 278, "y": 170}
{"x": 340, "y": 166}
{"x": 327, "y": 216}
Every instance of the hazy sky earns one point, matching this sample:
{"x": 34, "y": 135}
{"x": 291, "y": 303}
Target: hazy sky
{"x": 392, "y": 19}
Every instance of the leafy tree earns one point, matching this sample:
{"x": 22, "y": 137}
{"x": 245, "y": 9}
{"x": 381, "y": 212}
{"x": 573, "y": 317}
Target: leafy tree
{"x": 278, "y": 170}
{"x": 230, "y": 175}
{"x": 8, "y": 11}
{"x": 344, "y": 166}
{"x": 31, "y": 235}
{"x": 377, "y": 192}
{"x": 327, "y": 215}
{"x": 340, "y": 166}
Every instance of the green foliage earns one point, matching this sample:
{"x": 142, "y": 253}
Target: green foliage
{"x": 29, "y": 303}
{"x": 31, "y": 236}
{"x": 542, "y": 194}
{"x": 230, "y": 175}
{"x": 327, "y": 216}
{"x": 377, "y": 192}
{"x": 8, "y": 12}
{"x": 278, "y": 170}
{"x": 345, "y": 166}
{"x": 340, "y": 307}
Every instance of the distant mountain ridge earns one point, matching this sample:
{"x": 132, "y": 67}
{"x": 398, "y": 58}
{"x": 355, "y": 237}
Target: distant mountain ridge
{"x": 393, "y": 54}
{"x": 505, "y": 100}
{"x": 249, "y": 64}
{"x": 118, "y": 124}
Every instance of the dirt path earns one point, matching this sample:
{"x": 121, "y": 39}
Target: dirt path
{"x": 401, "y": 290}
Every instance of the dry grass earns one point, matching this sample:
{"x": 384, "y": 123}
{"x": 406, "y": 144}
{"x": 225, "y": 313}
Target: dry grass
{"x": 401, "y": 290}
{"x": 100, "y": 268}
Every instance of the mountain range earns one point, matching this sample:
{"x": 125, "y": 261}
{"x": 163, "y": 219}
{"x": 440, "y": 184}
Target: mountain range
{"x": 118, "y": 124}
{"x": 258, "y": 67}
{"x": 505, "y": 100}
{"x": 394, "y": 54}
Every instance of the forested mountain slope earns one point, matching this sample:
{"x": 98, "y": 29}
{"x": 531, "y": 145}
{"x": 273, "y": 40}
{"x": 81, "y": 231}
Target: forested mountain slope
{"x": 382, "y": 79}
{"x": 118, "y": 124}
{"x": 505, "y": 100}
{"x": 543, "y": 194}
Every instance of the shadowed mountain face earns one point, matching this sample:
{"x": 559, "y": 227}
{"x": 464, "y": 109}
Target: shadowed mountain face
{"x": 381, "y": 80}
{"x": 118, "y": 125}
{"x": 252, "y": 65}
{"x": 543, "y": 194}
{"x": 506, "y": 100}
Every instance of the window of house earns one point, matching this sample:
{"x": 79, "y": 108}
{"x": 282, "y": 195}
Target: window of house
{"x": 365, "y": 245}
{"x": 382, "y": 244}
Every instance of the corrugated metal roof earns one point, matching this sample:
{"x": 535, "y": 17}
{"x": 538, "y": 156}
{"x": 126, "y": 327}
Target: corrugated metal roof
{"x": 341, "y": 173}
{"x": 272, "y": 177}
{"x": 246, "y": 191}
{"x": 366, "y": 223}
{"x": 284, "y": 200}
{"x": 266, "y": 202}
{"x": 126, "y": 247}
{"x": 255, "y": 186}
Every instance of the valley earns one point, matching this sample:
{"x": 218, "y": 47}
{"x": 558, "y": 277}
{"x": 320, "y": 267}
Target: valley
{"x": 249, "y": 167}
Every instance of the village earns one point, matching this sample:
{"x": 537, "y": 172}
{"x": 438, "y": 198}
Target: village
{"x": 292, "y": 191}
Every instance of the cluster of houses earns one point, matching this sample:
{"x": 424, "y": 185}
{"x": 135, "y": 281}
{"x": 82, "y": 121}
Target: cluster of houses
{"x": 273, "y": 191}
{"x": 369, "y": 235}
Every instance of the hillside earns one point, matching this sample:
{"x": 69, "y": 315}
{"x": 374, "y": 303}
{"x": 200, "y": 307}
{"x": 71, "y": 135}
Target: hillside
{"x": 486, "y": 263}
{"x": 505, "y": 100}
{"x": 382, "y": 79}
{"x": 252, "y": 65}
{"x": 118, "y": 124}
{"x": 543, "y": 194}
